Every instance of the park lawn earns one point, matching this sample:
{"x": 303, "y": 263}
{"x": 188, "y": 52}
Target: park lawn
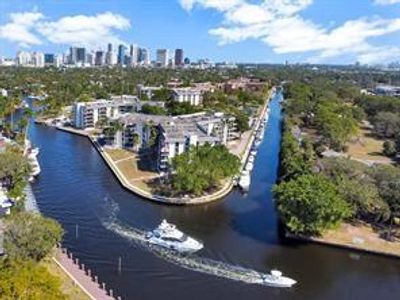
{"x": 130, "y": 169}
{"x": 117, "y": 154}
{"x": 361, "y": 235}
{"x": 142, "y": 184}
{"x": 68, "y": 287}
{"x": 367, "y": 147}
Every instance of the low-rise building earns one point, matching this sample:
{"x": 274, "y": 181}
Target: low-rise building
{"x": 387, "y": 90}
{"x": 171, "y": 136}
{"x": 147, "y": 91}
{"x": 244, "y": 84}
{"x": 187, "y": 94}
{"x": 87, "y": 114}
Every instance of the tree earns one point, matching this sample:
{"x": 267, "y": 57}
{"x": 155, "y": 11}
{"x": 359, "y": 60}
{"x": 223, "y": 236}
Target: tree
{"x": 386, "y": 124}
{"x": 310, "y": 204}
{"x": 202, "y": 168}
{"x": 153, "y": 110}
{"x": 14, "y": 168}
{"x": 28, "y": 280}
{"x": 30, "y": 236}
{"x": 389, "y": 148}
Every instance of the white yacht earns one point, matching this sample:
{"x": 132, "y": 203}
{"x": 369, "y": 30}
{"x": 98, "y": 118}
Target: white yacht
{"x": 249, "y": 166}
{"x": 251, "y": 158}
{"x": 168, "y": 236}
{"x": 276, "y": 279}
{"x": 32, "y": 157}
{"x": 245, "y": 180}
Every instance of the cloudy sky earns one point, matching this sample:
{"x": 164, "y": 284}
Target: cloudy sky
{"x": 320, "y": 31}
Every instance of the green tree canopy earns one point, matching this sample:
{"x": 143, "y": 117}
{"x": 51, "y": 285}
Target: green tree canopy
{"x": 29, "y": 281}
{"x": 202, "y": 168}
{"x": 30, "y": 236}
{"x": 310, "y": 204}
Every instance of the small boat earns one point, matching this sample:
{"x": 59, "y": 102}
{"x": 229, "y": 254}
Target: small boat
{"x": 34, "y": 151}
{"x": 253, "y": 152}
{"x": 245, "y": 181}
{"x": 251, "y": 159}
{"x": 276, "y": 279}
{"x": 168, "y": 236}
{"x": 249, "y": 166}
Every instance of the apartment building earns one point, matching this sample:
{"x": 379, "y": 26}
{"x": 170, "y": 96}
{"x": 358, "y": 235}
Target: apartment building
{"x": 187, "y": 94}
{"x": 87, "y": 114}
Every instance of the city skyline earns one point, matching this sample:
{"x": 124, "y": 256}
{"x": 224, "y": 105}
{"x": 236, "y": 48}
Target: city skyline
{"x": 269, "y": 31}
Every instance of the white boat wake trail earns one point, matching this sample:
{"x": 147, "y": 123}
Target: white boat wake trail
{"x": 188, "y": 261}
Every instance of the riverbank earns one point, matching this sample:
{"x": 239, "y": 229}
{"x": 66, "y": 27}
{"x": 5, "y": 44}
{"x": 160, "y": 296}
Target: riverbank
{"x": 359, "y": 237}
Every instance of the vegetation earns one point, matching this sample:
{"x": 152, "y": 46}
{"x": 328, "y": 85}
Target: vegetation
{"x": 30, "y": 236}
{"x": 310, "y": 204}
{"x": 317, "y": 193}
{"x": 27, "y": 280}
{"x": 153, "y": 110}
{"x": 14, "y": 169}
{"x": 202, "y": 168}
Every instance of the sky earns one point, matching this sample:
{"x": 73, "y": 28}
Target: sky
{"x": 256, "y": 31}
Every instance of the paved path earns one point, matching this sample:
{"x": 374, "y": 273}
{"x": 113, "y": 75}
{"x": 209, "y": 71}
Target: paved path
{"x": 30, "y": 201}
{"x": 85, "y": 282}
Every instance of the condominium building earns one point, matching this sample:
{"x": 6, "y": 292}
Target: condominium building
{"x": 172, "y": 136}
{"x": 187, "y": 94}
{"x": 87, "y": 114}
{"x": 146, "y": 91}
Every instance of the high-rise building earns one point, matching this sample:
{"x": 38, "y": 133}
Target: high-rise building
{"x": 134, "y": 55}
{"x": 23, "y": 58}
{"x": 110, "y": 48}
{"x": 72, "y": 55}
{"x": 81, "y": 55}
{"x": 144, "y": 56}
{"x": 49, "y": 59}
{"x": 38, "y": 59}
{"x": 162, "y": 58}
{"x": 99, "y": 58}
{"x": 178, "y": 57}
{"x": 121, "y": 54}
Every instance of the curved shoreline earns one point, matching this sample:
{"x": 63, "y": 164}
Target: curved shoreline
{"x": 219, "y": 194}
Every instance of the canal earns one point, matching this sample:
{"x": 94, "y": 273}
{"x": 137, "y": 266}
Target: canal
{"x": 76, "y": 188}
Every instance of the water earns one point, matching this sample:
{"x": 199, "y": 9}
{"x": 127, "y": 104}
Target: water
{"x": 76, "y": 188}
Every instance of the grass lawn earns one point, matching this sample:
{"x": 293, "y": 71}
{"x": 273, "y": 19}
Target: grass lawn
{"x": 117, "y": 154}
{"x": 363, "y": 236}
{"x": 367, "y": 147}
{"x": 68, "y": 287}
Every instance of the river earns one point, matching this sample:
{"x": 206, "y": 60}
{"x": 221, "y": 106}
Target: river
{"x": 76, "y": 188}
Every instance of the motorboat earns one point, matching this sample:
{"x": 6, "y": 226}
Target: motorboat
{"x": 251, "y": 159}
{"x": 275, "y": 279}
{"x": 168, "y": 236}
{"x": 34, "y": 151}
{"x": 253, "y": 152}
{"x": 249, "y": 166}
{"x": 33, "y": 161}
{"x": 245, "y": 181}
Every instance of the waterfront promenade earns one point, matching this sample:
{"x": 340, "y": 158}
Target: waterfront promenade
{"x": 82, "y": 277}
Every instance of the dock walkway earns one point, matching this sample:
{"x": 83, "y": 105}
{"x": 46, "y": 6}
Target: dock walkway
{"x": 82, "y": 277}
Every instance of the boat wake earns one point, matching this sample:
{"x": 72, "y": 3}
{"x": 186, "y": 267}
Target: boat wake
{"x": 191, "y": 262}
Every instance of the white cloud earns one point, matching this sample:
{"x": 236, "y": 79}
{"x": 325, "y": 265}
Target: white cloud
{"x": 32, "y": 28}
{"x": 82, "y": 30}
{"x": 20, "y": 29}
{"x": 386, "y": 2}
{"x": 221, "y": 5}
{"x": 278, "y": 24}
